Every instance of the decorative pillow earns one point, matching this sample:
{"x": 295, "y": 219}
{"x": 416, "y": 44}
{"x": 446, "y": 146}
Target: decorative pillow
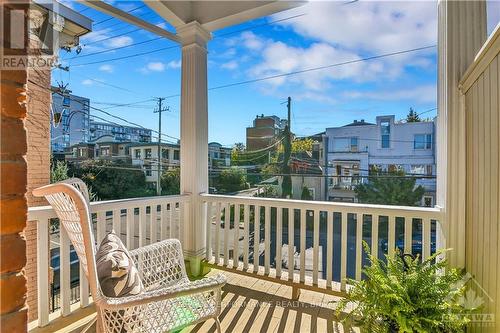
{"x": 116, "y": 270}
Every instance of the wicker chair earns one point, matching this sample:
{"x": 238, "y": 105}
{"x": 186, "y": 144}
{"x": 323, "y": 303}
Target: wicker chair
{"x": 170, "y": 301}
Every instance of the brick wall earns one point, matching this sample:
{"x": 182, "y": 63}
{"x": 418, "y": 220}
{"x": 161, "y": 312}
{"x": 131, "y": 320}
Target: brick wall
{"x": 38, "y": 161}
{"x": 13, "y": 202}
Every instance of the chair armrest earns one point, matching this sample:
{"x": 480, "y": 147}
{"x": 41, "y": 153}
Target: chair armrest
{"x": 212, "y": 283}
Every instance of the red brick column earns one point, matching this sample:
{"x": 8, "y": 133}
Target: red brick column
{"x": 38, "y": 161}
{"x": 13, "y": 204}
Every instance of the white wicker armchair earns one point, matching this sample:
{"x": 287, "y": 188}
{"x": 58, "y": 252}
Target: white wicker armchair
{"x": 170, "y": 301}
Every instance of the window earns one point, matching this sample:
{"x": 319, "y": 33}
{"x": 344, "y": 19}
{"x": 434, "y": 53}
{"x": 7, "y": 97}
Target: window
{"x": 345, "y": 144}
{"x": 164, "y": 154}
{"x": 148, "y": 170}
{"x": 137, "y": 153}
{"x": 177, "y": 155}
{"x": 385, "y": 134}
{"x": 148, "y": 153}
{"x": 104, "y": 151}
{"x": 354, "y": 144}
{"x": 422, "y": 141}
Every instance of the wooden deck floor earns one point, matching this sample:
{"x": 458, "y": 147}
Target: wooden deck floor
{"x": 255, "y": 305}
{"x": 248, "y": 305}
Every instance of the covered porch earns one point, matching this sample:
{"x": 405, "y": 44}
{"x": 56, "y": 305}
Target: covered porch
{"x": 287, "y": 260}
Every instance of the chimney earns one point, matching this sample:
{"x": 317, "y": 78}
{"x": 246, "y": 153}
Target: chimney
{"x": 362, "y": 120}
{"x": 355, "y": 121}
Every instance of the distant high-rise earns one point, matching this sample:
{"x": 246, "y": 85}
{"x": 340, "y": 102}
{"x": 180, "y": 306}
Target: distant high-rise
{"x": 69, "y": 120}
{"x": 100, "y": 131}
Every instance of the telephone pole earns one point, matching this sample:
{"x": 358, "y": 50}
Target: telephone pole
{"x": 286, "y": 185}
{"x": 159, "y": 169}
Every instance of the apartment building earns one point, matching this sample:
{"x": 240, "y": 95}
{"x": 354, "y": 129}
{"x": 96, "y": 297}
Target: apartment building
{"x": 118, "y": 133}
{"x": 218, "y": 156}
{"x": 69, "y": 120}
{"x": 264, "y": 132}
{"x": 146, "y": 156}
{"x": 387, "y": 145}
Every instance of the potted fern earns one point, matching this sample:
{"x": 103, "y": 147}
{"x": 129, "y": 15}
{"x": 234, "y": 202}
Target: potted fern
{"x": 407, "y": 295}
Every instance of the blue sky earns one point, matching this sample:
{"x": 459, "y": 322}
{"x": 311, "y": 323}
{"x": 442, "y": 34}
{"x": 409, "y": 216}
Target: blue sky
{"x": 319, "y": 34}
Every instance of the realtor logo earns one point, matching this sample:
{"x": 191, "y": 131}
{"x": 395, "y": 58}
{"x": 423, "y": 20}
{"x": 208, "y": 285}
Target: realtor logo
{"x": 28, "y": 36}
{"x": 476, "y": 301}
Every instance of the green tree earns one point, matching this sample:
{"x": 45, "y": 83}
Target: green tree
{"x": 412, "y": 116}
{"x": 306, "y": 194}
{"x": 171, "y": 181}
{"x": 113, "y": 179}
{"x": 270, "y": 170}
{"x": 302, "y": 145}
{"x": 59, "y": 172}
{"x": 393, "y": 188}
{"x": 232, "y": 179}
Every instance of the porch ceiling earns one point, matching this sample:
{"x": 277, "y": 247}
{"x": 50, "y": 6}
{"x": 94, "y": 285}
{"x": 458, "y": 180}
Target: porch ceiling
{"x": 211, "y": 15}
{"x": 215, "y": 15}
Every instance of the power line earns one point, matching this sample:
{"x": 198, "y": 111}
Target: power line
{"x": 126, "y": 57}
{"x": 314, "y": 69}
{"x": 322, "y": 67}
{"x": 112, "y": 17}
{"x": 157, "y": 38}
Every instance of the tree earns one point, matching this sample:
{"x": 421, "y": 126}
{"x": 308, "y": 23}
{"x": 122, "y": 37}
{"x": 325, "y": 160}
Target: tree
{"x": 302, "y": 145}
{"x": 232, "y": 179}
{"x": 113, "y": 179}
{"x": 412, "y": 116}
{"x": 58, "y": 172}
{"x": 393, "y": 188}
{"x": 270, "y": 170}
{"x": 171, "y": 181}
{"x": 306, "y": 194}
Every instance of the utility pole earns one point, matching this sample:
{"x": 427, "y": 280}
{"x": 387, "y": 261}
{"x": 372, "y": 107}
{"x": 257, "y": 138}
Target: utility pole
{"x": 286, "y": 185}
{"x": 159, "y": 169}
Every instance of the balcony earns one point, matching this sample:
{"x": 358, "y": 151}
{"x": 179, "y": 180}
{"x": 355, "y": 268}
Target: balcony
{"x": 304, "y": 253}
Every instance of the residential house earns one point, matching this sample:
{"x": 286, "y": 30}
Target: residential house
{"x": 265, "y": 131}
{"x": 218, "y": 155}
{"x": 146, "y": 155}
{"x": 386, "y": 145}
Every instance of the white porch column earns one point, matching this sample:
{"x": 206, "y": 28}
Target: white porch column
{"x": 194, "y": 137}
{"x": 461, "y": 33}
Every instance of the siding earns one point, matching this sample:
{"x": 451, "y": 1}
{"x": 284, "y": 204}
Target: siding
{"x": 481, "y": 90}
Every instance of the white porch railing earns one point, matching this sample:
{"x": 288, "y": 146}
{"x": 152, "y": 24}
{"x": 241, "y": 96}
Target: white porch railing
{"x": 139, "y": 221}
{"x": 306, "y": 244}
{"x": 310, "y": 243}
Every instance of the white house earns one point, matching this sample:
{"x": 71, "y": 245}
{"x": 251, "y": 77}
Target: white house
{"x": 355, "y": 149}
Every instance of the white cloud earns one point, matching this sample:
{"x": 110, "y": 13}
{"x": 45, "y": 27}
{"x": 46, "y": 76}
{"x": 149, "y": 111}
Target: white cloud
{"x": 119, "y": 41}
{"x": 87, "y": 82}
{"x": 374, "y": 26}
{"x": 174, "y": 64}
{"x": 156, "y": 66}
{"x": 279, "y": 58}
{"x": 230, "y": 65}
{"x": 106, "y": 68}
{"x": 422, "y": 94}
